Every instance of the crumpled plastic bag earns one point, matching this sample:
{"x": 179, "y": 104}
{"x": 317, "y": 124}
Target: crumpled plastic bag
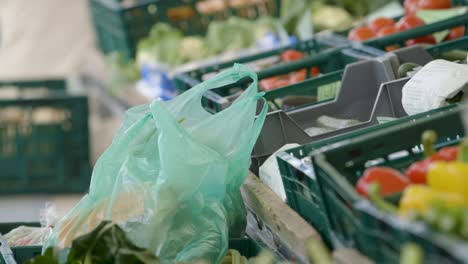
{"x": 35, "y": 235}
{"x": 171, "y": 177}
{"x": 27, "y": 236}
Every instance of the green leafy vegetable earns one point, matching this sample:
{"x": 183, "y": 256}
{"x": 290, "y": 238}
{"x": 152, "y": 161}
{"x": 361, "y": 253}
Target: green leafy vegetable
{"x": 161, "y": 45}
{"x": 324, "y": 14}
{"x": 331, "y": 17}
{"x": 122, "y": 72}
{"x": 230, "y": 35}
{"x": 191, "y": 49}
{"x": 47, "y": 258}
{"x": 107, "y": 243}
{"x": 168, "y": 45}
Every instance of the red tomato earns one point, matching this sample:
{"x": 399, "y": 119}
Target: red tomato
{"x": 314, "y": 71}
{"x": 409, "y": 22}
{"x": 456, "y": 33}
{"x": 381, "y": 22}
{"x": 273, "y": 83}
{"x": 388, "y": 31}
{"x": 411, "y": 6}
{"x": 385, "y": 31}
{"x": 291, "y": 55}
{"x": 434, "y": 4}
{"x": 361, "y": 34}
{"x": 429, "y": 39}
{"x": 281, "y": 83}
{"x": 390, "y": 180}
{"x": 447, "y": 154}
{"x": 298, "y": 76}
{"x": 268, "y": 83}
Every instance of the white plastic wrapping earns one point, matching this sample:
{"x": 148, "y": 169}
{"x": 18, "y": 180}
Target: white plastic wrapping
{"x": 432, "y": 85}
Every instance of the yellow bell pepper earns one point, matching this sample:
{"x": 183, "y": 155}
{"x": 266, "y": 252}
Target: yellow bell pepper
{"x": 419, "y": 198}
{"x": 449, "y": 177}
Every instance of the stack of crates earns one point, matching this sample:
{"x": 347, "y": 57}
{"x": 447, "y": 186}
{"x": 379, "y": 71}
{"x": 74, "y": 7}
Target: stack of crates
{"x": 44, "y": 141}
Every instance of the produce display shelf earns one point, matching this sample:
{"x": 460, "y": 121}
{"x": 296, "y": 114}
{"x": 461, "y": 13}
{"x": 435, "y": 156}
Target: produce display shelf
{"x": 360, "y": 97}
{"x": 119, "y": 25}
{"x": 320, "y": 54}
{"x": 357, "y": 93}
{"x": 398, "y": 39}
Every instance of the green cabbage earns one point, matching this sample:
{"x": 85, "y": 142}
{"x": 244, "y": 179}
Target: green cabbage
{"x": 230, "y": 35}
{"x": 191, "y": 49}
{"x": 167, "y": 45}
{"x": 162, "y": 44}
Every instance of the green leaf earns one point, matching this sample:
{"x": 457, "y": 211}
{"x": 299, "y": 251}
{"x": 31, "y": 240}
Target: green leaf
{"x": 304, "y": 29}
{"x": 107, "y": 243}
{"x": 47, "y": 258}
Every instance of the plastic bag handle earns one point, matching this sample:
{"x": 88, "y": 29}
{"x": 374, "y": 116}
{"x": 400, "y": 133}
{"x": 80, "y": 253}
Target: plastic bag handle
{"x": 236, "y": 73}
{"x": 258, "y": 123}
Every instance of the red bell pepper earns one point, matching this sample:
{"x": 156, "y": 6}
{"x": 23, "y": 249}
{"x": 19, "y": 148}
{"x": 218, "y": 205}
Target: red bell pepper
{"x": 390, "y": 181}
{"x": 417, "y": 172}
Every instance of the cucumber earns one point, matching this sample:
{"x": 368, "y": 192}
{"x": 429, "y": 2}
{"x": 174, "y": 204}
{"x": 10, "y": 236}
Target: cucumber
{"x": 405, "y": 68}
{"x": 454, "y": 55}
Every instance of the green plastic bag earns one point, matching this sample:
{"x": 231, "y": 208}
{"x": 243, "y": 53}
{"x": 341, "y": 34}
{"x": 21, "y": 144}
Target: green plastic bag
{"x": 171, "y": 177}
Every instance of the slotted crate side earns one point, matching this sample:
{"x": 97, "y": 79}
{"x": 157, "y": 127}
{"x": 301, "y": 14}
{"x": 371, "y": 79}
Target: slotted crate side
{"x": 120, "y": 26}
{"x": 44, "y": 144}
{"x": 446, "y": 49}
{"x": 57, "y": 84}
{"x": 110, "y": 29}
{"x": 392, "y": 233}
{"x": 338, "y": 168}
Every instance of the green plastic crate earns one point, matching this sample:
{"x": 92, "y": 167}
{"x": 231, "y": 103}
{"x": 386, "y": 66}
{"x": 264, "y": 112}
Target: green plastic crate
{"x": 20, "y": 254}
{"x": 352, "y": 220}
{"x": 119, "y": 25}
{"x": 445, "y": 49}
{"x": 328, "y": 61}
{"x": 43, "y": 154}
{"x": 246, "y": 247}
{"x": 358, "y": 97}
{"x": 299, "y": 180}
{"x": 193, "y": 77}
